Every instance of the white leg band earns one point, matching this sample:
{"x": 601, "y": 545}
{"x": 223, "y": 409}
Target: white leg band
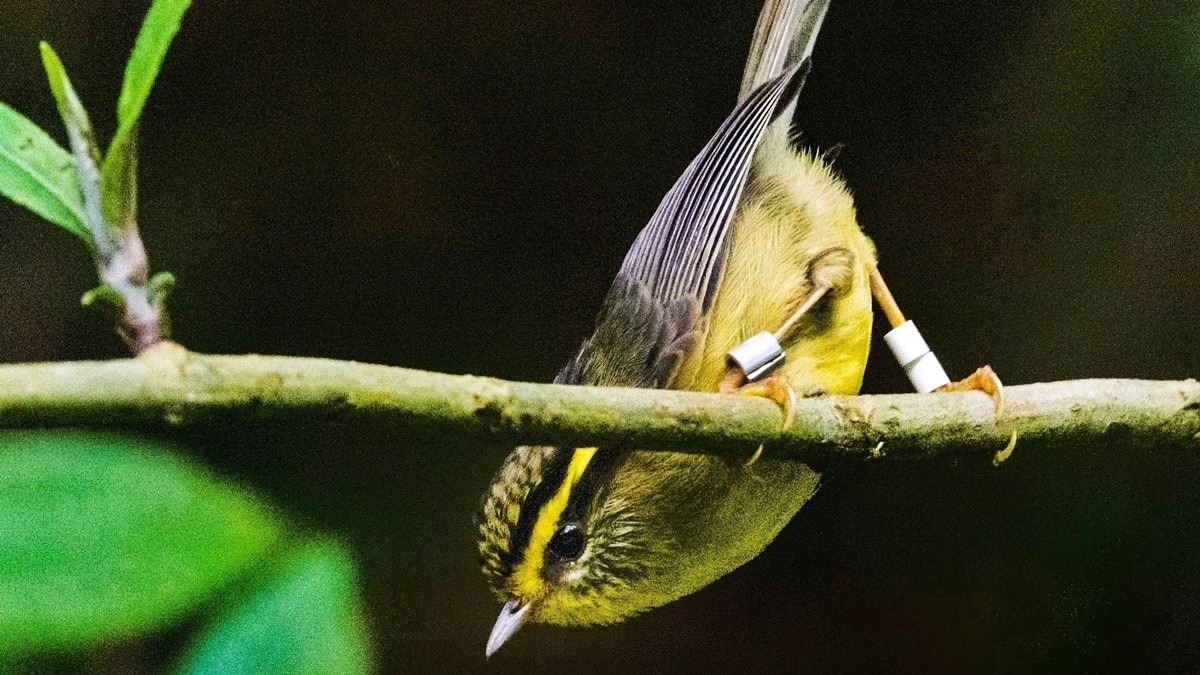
{"x": 922, "y": 367}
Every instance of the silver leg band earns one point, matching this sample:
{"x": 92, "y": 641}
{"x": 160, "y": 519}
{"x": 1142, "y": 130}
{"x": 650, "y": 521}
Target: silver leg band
{"x": 758, "y": 356}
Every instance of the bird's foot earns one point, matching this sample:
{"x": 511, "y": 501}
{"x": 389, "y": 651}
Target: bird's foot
{"x": 775, "y": 388}
{"x": 984, "y": 379}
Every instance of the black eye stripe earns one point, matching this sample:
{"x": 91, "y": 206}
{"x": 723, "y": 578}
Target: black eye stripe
{"x": 599, "y": 469}
{"x": 554, "y": 471}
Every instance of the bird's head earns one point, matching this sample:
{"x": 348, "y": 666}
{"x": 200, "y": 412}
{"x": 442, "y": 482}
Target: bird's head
{"x": 559, "y": 545}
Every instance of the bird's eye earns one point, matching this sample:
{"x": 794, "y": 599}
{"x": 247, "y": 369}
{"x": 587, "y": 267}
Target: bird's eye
{"x": 567, "y": 543}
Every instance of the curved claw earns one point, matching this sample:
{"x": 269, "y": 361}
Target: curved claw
{"x": 983, "y": 379}
{"x": 754, "y": 458}
{"x": 789, "y": 414}
{"x": 775, "y": 388}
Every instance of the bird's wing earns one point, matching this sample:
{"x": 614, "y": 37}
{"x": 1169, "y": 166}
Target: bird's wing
{"x": 785, "y": 35}
{"x": 666, "y": 285}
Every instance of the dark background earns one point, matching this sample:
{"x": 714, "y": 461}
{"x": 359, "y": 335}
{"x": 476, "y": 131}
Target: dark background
{"x": 452, "y": 185}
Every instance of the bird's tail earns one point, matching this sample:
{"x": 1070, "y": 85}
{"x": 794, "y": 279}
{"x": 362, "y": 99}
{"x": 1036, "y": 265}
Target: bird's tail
{"x": 784, "y": 36}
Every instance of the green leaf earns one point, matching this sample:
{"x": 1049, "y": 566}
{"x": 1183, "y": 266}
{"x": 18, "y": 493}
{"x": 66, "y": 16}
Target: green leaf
{"x": 103, "y": 537}
{"x": 158, "y": 29}
{"x": 83, "y": 142}
{"x": 120, "y": 164}
{"x": 38, "y": 174}
{"x": 305, "y": 618}
{"x": 118, "y": 181}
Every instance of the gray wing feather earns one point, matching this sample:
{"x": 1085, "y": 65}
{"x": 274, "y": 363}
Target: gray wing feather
{"x": 654, "y": 314}
{"x": 678, "y": 254}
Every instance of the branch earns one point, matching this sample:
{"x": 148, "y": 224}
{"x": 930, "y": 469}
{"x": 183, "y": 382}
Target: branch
{"x": 169, "y": 387}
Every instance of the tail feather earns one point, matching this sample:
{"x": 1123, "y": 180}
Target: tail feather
{"x": 784, "y": 36}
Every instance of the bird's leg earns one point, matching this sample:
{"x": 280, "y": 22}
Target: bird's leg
{"x": 774, "y": 387}
{"x": 918, "y": 361}
{"x": 751, "y": 363}
{"x": 887, "y": 302}
{"x": 830, "y": 271}
{"x": 742, "y": 377}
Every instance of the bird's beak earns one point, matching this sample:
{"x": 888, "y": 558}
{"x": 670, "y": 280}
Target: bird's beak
{"x": 511, "y": 618}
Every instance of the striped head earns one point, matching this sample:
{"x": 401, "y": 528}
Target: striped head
{"x": 556, "y": 544}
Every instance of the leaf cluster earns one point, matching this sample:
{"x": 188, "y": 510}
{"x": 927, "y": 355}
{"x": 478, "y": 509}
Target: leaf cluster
{"x": 104, "y": 539}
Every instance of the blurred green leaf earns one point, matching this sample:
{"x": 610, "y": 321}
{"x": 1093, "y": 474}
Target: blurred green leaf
{"x": 119, "y": 175}
{"x": 103, "y": 537}
{"x": 306, "y": 618}
{"x": 82, "y": 140}
{"x": 38, "y": 174}
{"x": 158, "y": 29}
{"x": 160, "y": 286}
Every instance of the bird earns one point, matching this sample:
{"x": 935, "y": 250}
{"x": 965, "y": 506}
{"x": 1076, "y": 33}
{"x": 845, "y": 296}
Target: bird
{"x": 757, "y": 240}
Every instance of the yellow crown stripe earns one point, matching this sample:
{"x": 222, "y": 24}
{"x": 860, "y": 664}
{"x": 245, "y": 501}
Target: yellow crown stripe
{"x": 527, "y": 576}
